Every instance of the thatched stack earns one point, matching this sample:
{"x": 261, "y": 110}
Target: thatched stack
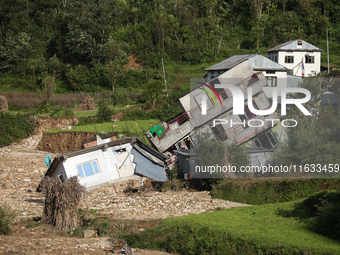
{"x": 3, "y": 104}
{"x": 61, "y": 202}
{"x": 87, "y": 105}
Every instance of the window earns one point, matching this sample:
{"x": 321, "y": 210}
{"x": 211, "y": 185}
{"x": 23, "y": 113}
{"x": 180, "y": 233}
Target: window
{"x": 88, "y": 169}
{"x": 60, "y": 176}
{"x": 309, "y": 59}
{"x": 266, "y": 140}
{"x": 289, "y": 59}
{"x": 275, "y": 59}
{"x": 119, "y": 151}
{"x": 267, "y": 72}
{"x": 219, "y": 132}
{"x": 257, "y": 142}
{"x": 299, "y": 42}
{"x": 271, "y": 138}
{"x": 272, "y": 81}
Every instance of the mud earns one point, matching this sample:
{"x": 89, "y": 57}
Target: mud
{"x": 65, "y": 142}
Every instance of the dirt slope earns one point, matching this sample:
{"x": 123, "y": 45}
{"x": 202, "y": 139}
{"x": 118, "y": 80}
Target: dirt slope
{"x": 62, "y": 143}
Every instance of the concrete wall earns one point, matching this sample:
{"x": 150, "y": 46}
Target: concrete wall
{"x": 310, "y": 69}
{"x": 107, "y": 164}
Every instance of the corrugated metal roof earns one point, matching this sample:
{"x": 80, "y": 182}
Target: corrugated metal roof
{"x": 261, "y": 63}
{"x": 230, "y": 62}
{"x": 293, "y": 46}
{"x": 257, "y": 62}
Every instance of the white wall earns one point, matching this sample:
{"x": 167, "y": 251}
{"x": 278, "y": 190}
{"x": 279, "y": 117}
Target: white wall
{"x": 310, "y": 69}
{"x": 104, "y": 175}
{"x": 106, "y": 163}
{"x": 281, "y": 83}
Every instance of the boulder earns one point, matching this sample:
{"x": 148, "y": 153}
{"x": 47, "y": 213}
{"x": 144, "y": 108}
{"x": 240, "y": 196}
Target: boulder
{"x": 89, "y": 233}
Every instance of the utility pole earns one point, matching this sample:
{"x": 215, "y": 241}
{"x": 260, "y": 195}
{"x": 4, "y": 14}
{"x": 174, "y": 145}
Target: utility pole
{"x": 327, "y": 50}
{"x": 166, "y": 88}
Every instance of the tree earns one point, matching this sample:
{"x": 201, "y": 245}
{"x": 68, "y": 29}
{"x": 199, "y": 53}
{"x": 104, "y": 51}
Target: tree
{"x": 13, "y": 50}
{"x": 53, "y": 65}
{"x": 117, "y": 58}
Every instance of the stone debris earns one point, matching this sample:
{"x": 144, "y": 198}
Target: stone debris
{"x": 89, "y": 233}
{"x": 29, "y": 244}
{"x": 153, "y": 204}
{"x": 22, "y": 168}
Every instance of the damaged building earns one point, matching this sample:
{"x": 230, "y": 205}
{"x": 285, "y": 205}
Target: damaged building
{"x": 178, "y": 132}
{"x": 111, "y": 161}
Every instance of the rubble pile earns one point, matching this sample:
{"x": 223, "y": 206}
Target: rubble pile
{"x": 30, "y": 243}
{"x": 154, "y": 205}
{"x": 22, "y": 168}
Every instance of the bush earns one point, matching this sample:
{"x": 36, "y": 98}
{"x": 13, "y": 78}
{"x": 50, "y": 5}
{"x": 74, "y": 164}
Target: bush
{"x": 327, "y": 221}
{"x": 86, "y": 120}
{"x": 13, "y": 128}
{"x": 104, "y": 113}
{"x": 7, "y": 216}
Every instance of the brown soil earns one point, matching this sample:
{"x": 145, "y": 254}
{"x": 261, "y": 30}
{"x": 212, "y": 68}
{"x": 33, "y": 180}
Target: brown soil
{"x": 48, "y": 123}
{"x": 132, "y": 64}
{"x": 64, "y": 142}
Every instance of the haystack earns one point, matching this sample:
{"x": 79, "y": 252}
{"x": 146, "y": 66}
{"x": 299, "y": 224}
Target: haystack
{"x": 3, "y": 104}
{"x": 61, "y": 202}
{"x": 87, "y": 105}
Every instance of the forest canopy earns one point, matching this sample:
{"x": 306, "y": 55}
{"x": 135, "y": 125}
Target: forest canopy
{"x": 81, "y": 45}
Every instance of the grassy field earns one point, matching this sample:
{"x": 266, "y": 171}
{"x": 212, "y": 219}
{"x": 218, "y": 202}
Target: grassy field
{"x": 261, "y": 229}
{"x": 128, "y": 128}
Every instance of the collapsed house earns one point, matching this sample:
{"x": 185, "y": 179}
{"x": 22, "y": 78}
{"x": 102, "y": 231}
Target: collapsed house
{"x": 178, "y": 132}
{"x": 111, "y": 161}
{"x": 276, "y": 74}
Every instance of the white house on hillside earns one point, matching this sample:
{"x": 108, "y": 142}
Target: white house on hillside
{"x": 275, "y": 73}
{"x": 300, "y": 56}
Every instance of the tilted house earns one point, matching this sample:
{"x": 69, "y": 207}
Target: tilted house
{"x": 175, "y": 132}
{"x": 303, "y": 58}
{"x": 275, "y": 73}
{"x": 110, "y": 161}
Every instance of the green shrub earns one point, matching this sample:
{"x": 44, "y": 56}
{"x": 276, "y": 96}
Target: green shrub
{"x": 86, "y": 120}
{"x": 255, "y": 191}
{"x": 328, "y": 219}
{"x": 103, "y": 228}
{"x": 104, "y": 113}
{"x": 14, "y": 127}
{"x": 7, "y": 216}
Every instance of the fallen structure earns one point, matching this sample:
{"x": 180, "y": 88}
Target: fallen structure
{"x": 178, "y": 132}
{"x": 110, "y": 161}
